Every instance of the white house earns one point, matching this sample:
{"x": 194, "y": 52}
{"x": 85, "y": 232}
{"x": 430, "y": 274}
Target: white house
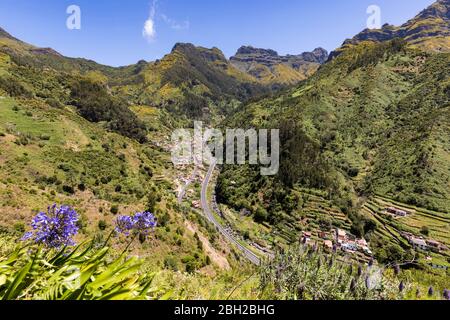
{"x": 419, "y": 243}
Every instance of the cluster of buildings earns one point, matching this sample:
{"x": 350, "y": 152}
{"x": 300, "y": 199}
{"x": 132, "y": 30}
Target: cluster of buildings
{"x": 349, "y": 243}
{"x": 424, "y": 244}
{"x": 339, "y": 240}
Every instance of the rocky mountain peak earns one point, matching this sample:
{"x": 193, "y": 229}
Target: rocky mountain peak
{"x": 244, "y": 50}
{"x": 429, "y": 30}
{"x": 439, "y": 9}
{"x": 267, "y": 65}
{"x": 210, "y": 55}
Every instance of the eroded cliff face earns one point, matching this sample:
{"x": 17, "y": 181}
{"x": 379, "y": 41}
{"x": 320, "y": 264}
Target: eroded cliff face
{"x": 429, "y": 30}
{"x": 269, "y": 67}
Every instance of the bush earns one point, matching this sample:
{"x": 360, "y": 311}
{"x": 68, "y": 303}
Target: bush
{"x": 190, "y": 264}
{"x": 171, "y": 263}
{"x": 425, "y": 231}
{"x": 114, "y": 209}
{"x": 54, "y": 103}
{"x": 304, "y": 273}
{"x": 102, "y": 225}
{"x": 19, "y": 227}
{"x": 68, "y": 189}
{"x": 261, "y": 215}
{"x": 14, "y": 87}
{"x": 44, "y": 137}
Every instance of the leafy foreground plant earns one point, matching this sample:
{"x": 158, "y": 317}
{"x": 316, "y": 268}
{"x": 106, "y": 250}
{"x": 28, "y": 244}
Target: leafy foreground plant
{"x": 305, "y": 273}
{"x": 42, "y": 270}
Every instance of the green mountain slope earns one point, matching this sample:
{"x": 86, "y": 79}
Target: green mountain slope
{"x": 192, "y": 81}
{"x": 429, "y": 30}
{"x": 66, "y": 138}
{"x": 372, "y": 122}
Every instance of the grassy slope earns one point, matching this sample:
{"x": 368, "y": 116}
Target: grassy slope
{"x": 49, "y": 153}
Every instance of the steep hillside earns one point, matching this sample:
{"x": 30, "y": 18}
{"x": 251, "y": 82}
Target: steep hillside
{"x": 66, "y": 139}
{"x": 429, "y": 30}
{"x": 192, "y": 81}
{"x": 374, "y": 121}
{"x": 272, "y": 69}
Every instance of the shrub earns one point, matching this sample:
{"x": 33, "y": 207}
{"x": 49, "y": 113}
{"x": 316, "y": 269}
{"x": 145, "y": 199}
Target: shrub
{"x": 170, "y": 263}
{"x": 68, "y": 189}
{"x": 114, "y": 209}
{"x": 52, "y": 102}
{"x": 425, "y": 231}
{"x": 306, "y": 273}
{"x": 19, "y": 227}
{"x": 14, "y": 87}
{"x": 102, "y": 225}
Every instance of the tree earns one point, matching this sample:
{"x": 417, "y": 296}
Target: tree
{"x": 425, "y": 231}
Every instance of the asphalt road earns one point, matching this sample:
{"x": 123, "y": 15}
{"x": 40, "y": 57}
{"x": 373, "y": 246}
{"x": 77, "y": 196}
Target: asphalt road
{"x": 209, "y": 214}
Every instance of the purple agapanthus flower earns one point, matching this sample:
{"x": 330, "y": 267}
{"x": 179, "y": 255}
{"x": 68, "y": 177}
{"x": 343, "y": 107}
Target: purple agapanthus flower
{"x": 54, "y": 229}
{"x": 144, "y": 222}
{"x": 447, "y": 294}
{"x": 141, "y": 223}
{"x": 124, "y": 224}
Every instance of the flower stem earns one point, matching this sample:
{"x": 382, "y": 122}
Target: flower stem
{"x": 109, "y": 238}
{"x": 129, "y": 244}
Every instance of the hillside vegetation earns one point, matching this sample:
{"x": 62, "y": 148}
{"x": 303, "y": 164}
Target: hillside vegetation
{"x": 374, "y": 121}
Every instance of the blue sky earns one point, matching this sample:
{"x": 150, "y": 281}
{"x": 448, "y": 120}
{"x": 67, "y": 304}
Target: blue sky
{"x": 112, "y": 30}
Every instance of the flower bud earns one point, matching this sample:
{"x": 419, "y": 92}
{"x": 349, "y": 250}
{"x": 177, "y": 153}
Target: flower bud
{"x": 401, "y": 287}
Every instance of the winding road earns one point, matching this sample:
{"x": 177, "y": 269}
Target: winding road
{"x": 253, "y": 258}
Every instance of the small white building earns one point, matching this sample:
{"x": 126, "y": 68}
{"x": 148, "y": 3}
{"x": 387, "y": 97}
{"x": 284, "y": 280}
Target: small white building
{"x": 349, "y": 246}
{"x": 419, "y": 244}
{"x": 341, "y": 235}
{"x": 397, "y": 212}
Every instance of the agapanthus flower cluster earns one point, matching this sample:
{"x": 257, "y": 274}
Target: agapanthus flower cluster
{"x": 124, "y": 224}
{"x": 141, "y": 223}
{"x": 54, "y": 229}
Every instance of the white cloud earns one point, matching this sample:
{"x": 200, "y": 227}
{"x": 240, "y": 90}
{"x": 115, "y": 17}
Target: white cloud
{"x": 149, "y": 31}
{"x": 174, "y": 24}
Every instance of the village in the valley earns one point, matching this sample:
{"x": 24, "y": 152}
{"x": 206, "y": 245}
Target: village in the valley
{"x": 335, "y": 240}
{"x": 342, "y": 240}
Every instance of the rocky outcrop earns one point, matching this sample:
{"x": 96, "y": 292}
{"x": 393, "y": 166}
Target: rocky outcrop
{"x": 210, "y": 55}
{"x": 267, "y": 57}
{"x": 268, "y": 66}
{"x": 46, "y": 51}
{"x": 429, "y": 30}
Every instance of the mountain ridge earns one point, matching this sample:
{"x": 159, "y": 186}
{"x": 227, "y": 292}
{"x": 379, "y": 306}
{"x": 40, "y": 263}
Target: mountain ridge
{"x": 267, "y": 66}
{"x": 429, "y": 30}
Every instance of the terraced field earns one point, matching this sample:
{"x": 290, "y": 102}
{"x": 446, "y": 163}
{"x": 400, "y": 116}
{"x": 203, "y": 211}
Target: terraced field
{"x": 390, "y": 227}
